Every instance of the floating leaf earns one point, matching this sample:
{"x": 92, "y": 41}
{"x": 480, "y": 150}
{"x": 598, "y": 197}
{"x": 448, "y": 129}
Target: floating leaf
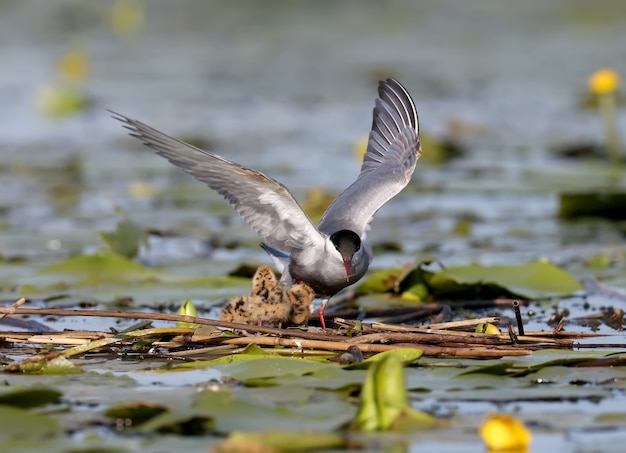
{"x": 60, "y": 365}
{"x": 44, "y": 364}
{"x": 178, "y": 420}
{"x": 19, "y": 424}
{"x": 28, "y": 396}
{"x": 605, "y": 203}
{"x": 533, "y": 280}
{"x": 137, "y": 411}
{"x": 329, "y": 378}
{"x": 499, "y": 369}
{"x": 256, "y": 363}
{"x": 247, "y": 367}
{"x": 237, "y": 414}
{"x": 126, "y": 240}
{"x": 403, "y": 355}
{"x": 102, "y": 267}
{"x": 381, "y": 281}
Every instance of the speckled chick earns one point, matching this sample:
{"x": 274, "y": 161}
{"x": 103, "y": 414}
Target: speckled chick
{"x": 263, "y": 281}
{"x": 278, "y": 306}
{"x": 240, "y": 308}
{"x": 300, "y": 297}
{"x": 267, "y": 304}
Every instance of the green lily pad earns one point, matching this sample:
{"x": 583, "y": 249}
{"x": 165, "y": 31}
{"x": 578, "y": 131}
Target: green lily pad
{"x": 28, "y": 396}
{"x": 602, "y": 203}
{"x": 255, "y": 363}
{"x": 405, "y": 356}
{"x": 178, "y": 420}
{"x": 126, "y": 239}
{"x": 20, "y": 425}
{"x": 236, "y": 414}
{"x": 249, "y": 367}
{"x": 102, "y": 267}
{"x": 532, "y": 280}
{"x": 328, "y": 378}
{"x": 137, "y": 411}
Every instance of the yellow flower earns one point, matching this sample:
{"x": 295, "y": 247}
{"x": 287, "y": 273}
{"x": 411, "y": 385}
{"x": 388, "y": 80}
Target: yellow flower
{"x": 127, "y": 17}
{"x": 487, "y": 328}
{"x": 604, "y": 81}
{"x": 73, "y": 66}
{"x": 501, "y": 432}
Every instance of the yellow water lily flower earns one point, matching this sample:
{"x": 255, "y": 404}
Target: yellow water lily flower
{"x": 487, "y": 328}
{"x": 73, "y": 66}
{"x": 604, "y": 81}
{"x": 127, "y": 17}
{"x": 502, "y": 432}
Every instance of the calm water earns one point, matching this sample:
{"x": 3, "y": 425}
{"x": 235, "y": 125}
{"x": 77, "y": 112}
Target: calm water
{"x": 288, "y": 88}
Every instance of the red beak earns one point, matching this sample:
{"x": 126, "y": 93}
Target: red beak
{"x": 348, "y": 263}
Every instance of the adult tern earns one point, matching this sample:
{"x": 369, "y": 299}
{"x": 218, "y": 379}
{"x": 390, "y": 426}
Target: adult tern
{"x": 334, "y": 254}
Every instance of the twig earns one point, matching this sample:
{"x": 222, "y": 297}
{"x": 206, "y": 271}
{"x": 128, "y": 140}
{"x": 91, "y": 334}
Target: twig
{"x": 518, "y": 317}
{"x": 512, "y": 335}
{"x": 440, "y": 326}
{"x": 343, "y": 346}
{"x": 11, "y": 309}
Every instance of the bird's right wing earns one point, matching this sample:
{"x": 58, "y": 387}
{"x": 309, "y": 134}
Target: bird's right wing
{"x": 265, "y": 204}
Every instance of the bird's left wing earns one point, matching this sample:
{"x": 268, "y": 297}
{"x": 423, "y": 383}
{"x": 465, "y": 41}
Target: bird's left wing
{"x": 392, "y": 152}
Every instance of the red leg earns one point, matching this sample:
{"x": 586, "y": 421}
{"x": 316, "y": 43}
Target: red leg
{"x": 322, "y": 321}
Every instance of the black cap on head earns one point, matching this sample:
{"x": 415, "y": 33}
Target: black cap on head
{"x": 347, "y": 244}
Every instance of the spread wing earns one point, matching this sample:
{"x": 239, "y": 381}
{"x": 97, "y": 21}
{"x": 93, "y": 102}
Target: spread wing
{"x": 265, "y": 204}
{"x": 388, "y": 164}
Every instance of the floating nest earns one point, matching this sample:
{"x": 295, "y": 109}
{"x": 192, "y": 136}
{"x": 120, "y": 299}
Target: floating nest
{"x": 348, "y": 340}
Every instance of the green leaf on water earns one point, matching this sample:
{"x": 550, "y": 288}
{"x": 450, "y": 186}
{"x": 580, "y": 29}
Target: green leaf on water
{"x": 178, "y": 420}
{"x": 235, "y": 413}
{"x": 126, "y": 240}
{"x": 605, "y": 203}
{"x": 381, "y": 281}
{"x": 28, "y": 396}
{"x": 533, "y": 280}
{"x": 403, "y": 355}
{"x": 618, "y": 418}
{"x": 328, "y": 378}
{"x": 137, "y": 412}
{"x": 102, "y": 267}
{"x": 498, "y": 369}
{"x": 20, "y": 425}
{"x": 60, "y": 365}
{"x": 251, "y": 366}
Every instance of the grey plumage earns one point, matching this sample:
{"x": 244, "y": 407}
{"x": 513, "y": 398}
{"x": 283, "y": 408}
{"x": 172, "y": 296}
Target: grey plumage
{"x": 333, "y": 255}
